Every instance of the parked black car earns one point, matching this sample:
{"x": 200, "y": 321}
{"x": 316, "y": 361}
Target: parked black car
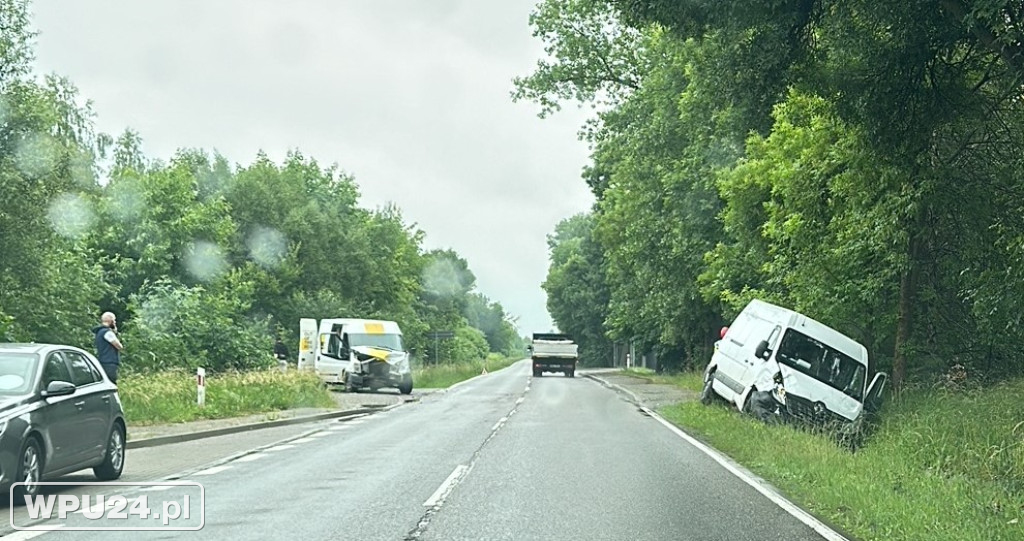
{"x": 58, "y": 414}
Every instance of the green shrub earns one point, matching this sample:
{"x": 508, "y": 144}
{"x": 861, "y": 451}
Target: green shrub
{"x": 188, "y": 327}
{"x": 170, "y": 396}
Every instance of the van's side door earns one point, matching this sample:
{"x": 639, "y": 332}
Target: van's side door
{"x": 332, "y": 356}
{"x": 732, "y": 350}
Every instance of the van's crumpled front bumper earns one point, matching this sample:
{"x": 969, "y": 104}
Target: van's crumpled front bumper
{"x": 815, "y": 413}
{"x": 379, "y": 370}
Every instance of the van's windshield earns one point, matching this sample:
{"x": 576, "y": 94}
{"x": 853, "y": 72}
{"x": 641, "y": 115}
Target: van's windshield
{"x": 822, "y": 363}
{"x": 386, "y": 341}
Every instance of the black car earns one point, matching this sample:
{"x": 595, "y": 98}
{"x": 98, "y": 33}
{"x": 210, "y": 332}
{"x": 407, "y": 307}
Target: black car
{"x": 58, "y": 414}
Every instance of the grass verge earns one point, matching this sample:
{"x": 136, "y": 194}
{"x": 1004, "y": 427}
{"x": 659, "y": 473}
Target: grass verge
{"x": 441, "y": 376}
{"x": 170, "y": 397}
{"x": 943, "y": 465}
{"x": 685, "y": 380}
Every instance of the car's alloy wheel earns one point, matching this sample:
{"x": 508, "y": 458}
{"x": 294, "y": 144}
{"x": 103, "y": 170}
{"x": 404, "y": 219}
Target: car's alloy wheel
{"x": 113, "y": 462}
{"x": 30, "y": 471}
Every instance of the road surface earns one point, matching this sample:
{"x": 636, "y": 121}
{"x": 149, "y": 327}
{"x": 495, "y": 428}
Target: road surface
{"x": 504, "y": 456}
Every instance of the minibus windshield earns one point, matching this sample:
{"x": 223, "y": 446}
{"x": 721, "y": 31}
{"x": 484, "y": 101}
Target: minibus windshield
{"x": 823, "y": 363}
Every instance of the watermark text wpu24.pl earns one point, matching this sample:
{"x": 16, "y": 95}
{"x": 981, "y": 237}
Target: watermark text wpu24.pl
{"x": 119, "y": 506}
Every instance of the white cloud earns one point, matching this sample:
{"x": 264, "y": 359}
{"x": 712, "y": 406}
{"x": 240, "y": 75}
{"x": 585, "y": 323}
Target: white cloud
{"x": 410, "y": 97}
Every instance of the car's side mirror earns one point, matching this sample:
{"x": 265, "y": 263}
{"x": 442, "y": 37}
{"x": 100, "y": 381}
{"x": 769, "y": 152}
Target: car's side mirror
{"x": 762, "y": 351}
{"x": 59, "y": 388}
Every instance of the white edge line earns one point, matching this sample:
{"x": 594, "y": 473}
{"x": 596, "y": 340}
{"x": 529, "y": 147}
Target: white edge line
{"x": 25, "y": 535}
{"x": 446, "y": 486}
{"x": 613, "y": 386}
{"x": 775, "y": 497}
{"x": 213, "y": 470}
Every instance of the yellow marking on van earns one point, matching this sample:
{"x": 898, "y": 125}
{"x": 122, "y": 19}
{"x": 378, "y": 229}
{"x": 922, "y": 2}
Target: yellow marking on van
{"x": 378, "y": 353}
{"x": 374, "y": 328}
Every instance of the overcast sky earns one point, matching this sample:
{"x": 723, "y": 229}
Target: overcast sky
{"x": 409, "y": 96}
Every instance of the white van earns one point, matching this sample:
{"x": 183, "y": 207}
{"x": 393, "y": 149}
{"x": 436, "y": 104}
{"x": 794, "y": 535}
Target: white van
{"x": 813, "y": 372}
{"x": 356, "y": 353}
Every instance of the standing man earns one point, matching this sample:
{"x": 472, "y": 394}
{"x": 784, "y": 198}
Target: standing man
{"x": 108, "y": 346}
{"x": 280, "y": 350}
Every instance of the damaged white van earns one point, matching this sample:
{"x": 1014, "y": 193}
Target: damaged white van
{"x": 810, "y": 371}
{"x": 356, "y": 353}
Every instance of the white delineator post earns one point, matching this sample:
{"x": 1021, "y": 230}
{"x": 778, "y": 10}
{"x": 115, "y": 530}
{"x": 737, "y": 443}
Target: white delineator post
{"x": 200, "y": 386}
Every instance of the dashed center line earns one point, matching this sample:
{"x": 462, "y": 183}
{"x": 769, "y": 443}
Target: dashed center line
{"x": 446, "y": 487}
{"x": 281, "y": 447}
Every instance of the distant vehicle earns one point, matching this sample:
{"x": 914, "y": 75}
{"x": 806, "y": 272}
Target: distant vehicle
{"x": 553, "y": 353}
{"x": 355, "y": 353}
{"x": 777, "y": 361}
{"x": 58, "y": 414}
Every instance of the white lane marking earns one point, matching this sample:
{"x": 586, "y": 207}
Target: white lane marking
{"x": 156, "y": 488}
{"x": 775, "y": 497}
{"x": 339, "y": 427}
{"x": 499, "y": 423}
{"x": 25, "y": 535}
{"x": 318, "y": 435}
{"x": 280, "y": 447}
{"x": 446, "y": 487}
{"x": 213, "y": 470}
{"x": 520, "y": 401}
{"x": 248, "y": 458}
{"x": 303, "y": 440}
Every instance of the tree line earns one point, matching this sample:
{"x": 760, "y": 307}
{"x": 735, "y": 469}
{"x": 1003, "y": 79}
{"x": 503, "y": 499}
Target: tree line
{"x": 204, "y": 262}
{"x": 857, "y": 161}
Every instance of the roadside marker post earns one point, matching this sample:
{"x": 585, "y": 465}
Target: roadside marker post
{"x": 201, "y": 386}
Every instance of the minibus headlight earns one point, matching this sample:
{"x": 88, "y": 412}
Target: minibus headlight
{"x": 779, "y": 392}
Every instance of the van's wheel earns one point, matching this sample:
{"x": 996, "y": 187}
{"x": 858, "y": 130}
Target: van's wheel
{"x": 349, "y": 386}
{"x": 30, "y": 470}
{"x": 707, "y": 394}
{"x": 406, "y": 386}
{"x": 113, "y": 462}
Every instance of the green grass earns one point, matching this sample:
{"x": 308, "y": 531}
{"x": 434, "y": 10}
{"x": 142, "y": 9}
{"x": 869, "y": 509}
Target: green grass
{"x": 441, "y": 376}
{"x": 942, "y": 465}
{"x": 170, "y": 397}
{"x": 685, "y": 380}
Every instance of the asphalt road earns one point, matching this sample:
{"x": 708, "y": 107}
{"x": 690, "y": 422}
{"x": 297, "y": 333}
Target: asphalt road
{"x": 505, "y": 456}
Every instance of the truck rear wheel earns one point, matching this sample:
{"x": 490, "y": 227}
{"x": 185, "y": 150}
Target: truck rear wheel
{"x": 570, "y": 373}
{"x": 537, "y": 373}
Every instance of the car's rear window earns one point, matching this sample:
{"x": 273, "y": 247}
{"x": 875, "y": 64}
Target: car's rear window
{"x": 17, "y": 371}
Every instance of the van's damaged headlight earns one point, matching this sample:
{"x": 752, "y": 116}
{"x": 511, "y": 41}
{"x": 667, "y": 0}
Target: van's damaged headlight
{"x": 779, "y": 391}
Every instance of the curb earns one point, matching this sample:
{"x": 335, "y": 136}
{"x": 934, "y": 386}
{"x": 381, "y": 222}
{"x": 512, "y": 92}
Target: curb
{"x": 189, "y": 436}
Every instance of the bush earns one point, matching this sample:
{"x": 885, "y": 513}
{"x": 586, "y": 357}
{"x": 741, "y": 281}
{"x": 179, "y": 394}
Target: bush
{"x": 469, "y": 345}
{"x": 187, "y": 327}
{"x": 170, "y": 396}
